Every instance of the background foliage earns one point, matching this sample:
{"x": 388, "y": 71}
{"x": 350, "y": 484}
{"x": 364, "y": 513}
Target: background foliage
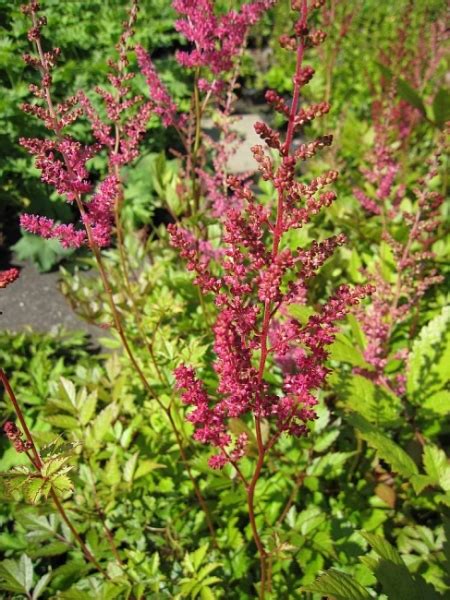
{"x": 358, "y": 509}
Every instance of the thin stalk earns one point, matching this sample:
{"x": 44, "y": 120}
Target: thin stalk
{"x": 197, "y": 139}
{"x": 38, "y": 463}
{"x": 105, "y": 281}
{"x": 139, "y": 371}
{"x": 267, "y": 314}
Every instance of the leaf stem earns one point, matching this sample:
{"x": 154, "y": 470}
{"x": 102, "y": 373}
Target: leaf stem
{"x": 37, "y": 463}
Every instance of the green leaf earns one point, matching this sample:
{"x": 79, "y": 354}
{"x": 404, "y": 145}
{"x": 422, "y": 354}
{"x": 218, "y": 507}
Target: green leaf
{"x": 441, "y": 107}
{"x": 437, "y": 466}
{"x": 130, "y": 467}
{"x": 102, "y": 423}
{"x": 206, "y": 593}
{"x": 44, "y": 253}
{"x": 87, "y": 409}
{"x": 386, "y": 449}
{"x": 420, "y": 482}
{"x": 41, "y": 585}
{"x": 62, "y": 484}
{"x": 428, "y": 362}
{"x": 68, "y": 389}
{"x": 405, "y": 91}
{"x": 375, "y": 403}
{"x": 63, "y": 421}
{"x": 34, "y": 488}
{"x": 344, "y": 350}
{"x": 339, "y": 585}
{"x": 383, "y": 548}
{"x": 199, "y": 555}
{"x": 54, "y": 464}
{"x": 438, "y": 403}
{"x": 391, "y": 571}
{"x": 300, "y": 312}
{"x": 147, "y": 466}
{"x": 16, "y": 576}
{"x": 398, "y": 583}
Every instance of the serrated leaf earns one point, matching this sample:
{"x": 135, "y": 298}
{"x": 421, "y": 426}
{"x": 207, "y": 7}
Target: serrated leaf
{"x": 57, "y": 447}
{"x": 328, "y": 465}
{"x": 383, "y": 548}
{"x": 428, "y": 363}
{"x": 206, "y": 593}
{"x": 375, "y": 403}
{"x": 112, "y": 472}
{"x": 16, "y": 576}
{"x": 33, "y": 489}
{"x": 130, "y": 467}
{"x": 325, "y": 440}
{"x": 399, "y": 584}
{"x": 53, "y": 464}
{"x": 147, "y": 466}
{"x": 87, "y": 409}
{"x": 45, "y": 254}
{"x": 199, "y": 555}
{"x": 63, "y": 421}
{"x": 50, "y": 549}
{"x": 438, "y": 403}
{"x": 420, "y": 482}
{"x": 68, "y": 389}
{"x": 62, "y": 484}
{"x": 344, "y": 350}
{"x": 206, "y": 570}
{"x": 103, "y": 421}
{"x": 339, "y": 585}
{"x": 437, "y": 466}
{"x": 386, "y": 449}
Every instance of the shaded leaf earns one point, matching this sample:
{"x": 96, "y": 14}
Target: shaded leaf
{"x": 388, "y": 450}
{"x": 338, "y": 585}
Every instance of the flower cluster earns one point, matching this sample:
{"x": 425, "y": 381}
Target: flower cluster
{"x": 15, "y": 436}
{"x": 394, "y": 302}
{"x": 216, "y": 39}
{"x": 164, "y": 106}
{"x": 218, "y": 44}
{"x": 254, "y": 282}
{"x": 393, "y": 118}
{"x": 63, "y": 160}
{"x": 8, "y": 276}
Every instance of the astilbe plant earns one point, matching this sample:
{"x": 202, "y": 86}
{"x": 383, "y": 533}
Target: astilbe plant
{"x": 385, "y": 198}
{"x": 63, "y": 164}
{"x": 218, "y": 42}
{"x": 63, "y": 160}
{"x": 254, "y": 280}
{"x": 397, "y": 297}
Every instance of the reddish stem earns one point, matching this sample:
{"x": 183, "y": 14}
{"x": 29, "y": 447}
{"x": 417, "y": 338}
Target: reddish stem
{"x": 37, "y": 462}
{"x": 268, "y": 314}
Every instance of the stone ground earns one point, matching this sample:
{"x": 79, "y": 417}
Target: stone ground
{"x": 34, "y": 300}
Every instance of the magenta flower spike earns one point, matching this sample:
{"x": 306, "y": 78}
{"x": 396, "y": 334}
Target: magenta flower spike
{"x": 255, "y": 279}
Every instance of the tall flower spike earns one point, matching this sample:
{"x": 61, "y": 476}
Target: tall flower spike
{"x": 63, "y": 160}
{"x": 394, "y": 303}
{"x": 256, "y": 279}
{"x": 217, "y": 40}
